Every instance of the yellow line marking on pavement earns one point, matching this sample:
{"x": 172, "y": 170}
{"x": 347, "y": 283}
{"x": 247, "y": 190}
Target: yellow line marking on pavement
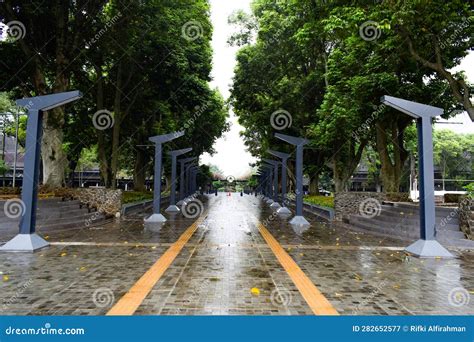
{"x": 127, "y": 244}
{"x": 315, "y": 299}
{"x": 129, "y": 303}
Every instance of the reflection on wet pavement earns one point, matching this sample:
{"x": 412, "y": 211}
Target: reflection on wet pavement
{"x": 227, "y": 268}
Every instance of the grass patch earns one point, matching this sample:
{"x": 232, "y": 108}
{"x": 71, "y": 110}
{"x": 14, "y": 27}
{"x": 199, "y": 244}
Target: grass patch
{"x": 323, "y": 201}
{"x": 136, "y": 196}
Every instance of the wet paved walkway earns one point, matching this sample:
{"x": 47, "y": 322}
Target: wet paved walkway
{"x": 227, "y": 268}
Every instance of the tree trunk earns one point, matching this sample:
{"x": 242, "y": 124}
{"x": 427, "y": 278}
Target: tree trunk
{"x": 345, "y": 161}
{"x": 54, "y": 158}
{"x": 72, "y": 167}
{"x": 102, "y": 154}
{"x": 139, "y": 172}
{"x": 391, "y": 163}
{"x": 167, "y": 182}
{"x": 340, "y": 180}
{"x": 116, "y": 128}
{"x": 314, "y": 185}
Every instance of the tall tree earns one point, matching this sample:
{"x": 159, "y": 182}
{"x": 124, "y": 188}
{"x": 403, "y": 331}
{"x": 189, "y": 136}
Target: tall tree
{"x": 47, "y": 39}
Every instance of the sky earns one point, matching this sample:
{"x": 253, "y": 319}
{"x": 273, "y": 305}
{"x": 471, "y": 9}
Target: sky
{"x": 232, "y": 157}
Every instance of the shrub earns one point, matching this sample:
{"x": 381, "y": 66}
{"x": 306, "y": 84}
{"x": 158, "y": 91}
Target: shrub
{"x": 398, "y": 197}
{"x": 136, "y": 196}
{"x": 452, "y": 198}
{"x": 323, "y": 201}
{"x": 470, "y": 190}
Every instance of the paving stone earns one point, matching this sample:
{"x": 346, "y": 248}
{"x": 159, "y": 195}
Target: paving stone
{"x": 86, "y": 271}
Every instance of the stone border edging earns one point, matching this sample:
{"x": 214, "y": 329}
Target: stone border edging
{"x": 127, "y": 208}
{"x": 324, "y": 212}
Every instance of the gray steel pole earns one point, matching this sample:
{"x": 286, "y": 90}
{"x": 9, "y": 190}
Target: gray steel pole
{"x": 270, "y": 185}
{"x": 426, "y": 246}
{"x": 299, "y": 219}
{"x": 184, "y": 178}
{"x": 159, "y": 140}
{"x": 426, "y": 170}
{"x": 27, "y": 240}
{"x": 157, "y": 180}
{"x": 173, "y": 181}
{"x": 174, "y": 155}
{"x": 181, "y": 180}
{"x": 299, "y": 180}
{"x": 29, "y": 193}
{"x": 188, "y": 169}
{"x": 283, "y": 181}
{"x": 274, "y": 164}
{"x": 284, "y": 158}
{"x": 275, "y": 183}
{"x": 17, "y": 124}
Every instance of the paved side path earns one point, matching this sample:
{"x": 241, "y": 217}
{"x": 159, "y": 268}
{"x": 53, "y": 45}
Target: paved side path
{"x": 226, "y": 267}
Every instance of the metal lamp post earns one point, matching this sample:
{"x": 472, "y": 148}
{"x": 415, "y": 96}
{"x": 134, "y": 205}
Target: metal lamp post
{"x": 191, "y": 170}
{"x": 194, "y": 172}
{"x": 427, "y": 246}
{"x": 268, "y": 184}
{"x": 284, "y": 159}
{"x": 299, "y": 219}
{"x": 159, "y": 140}
{"x": 173, "y": 208}
{"x": 189, "y": 179}
{"x": 183, "y": 179}
{"x": 274, "y": 163}
{"x": 259, "y": 183}
{"x": 262, "y": 183}
{"x": 27, "y": 239}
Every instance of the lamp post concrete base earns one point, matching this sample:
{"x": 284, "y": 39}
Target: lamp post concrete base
{"x": 284, "y": 211}
{"x": 172, "y": 209}
{"x": 299, "y": 221}
{"x": 155, "y": 218}
{"x": 275, "y": 205}
{"x": 25, "y": 243}
{"x": 154, "y": 227}
{"x": 428, "y": 249}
